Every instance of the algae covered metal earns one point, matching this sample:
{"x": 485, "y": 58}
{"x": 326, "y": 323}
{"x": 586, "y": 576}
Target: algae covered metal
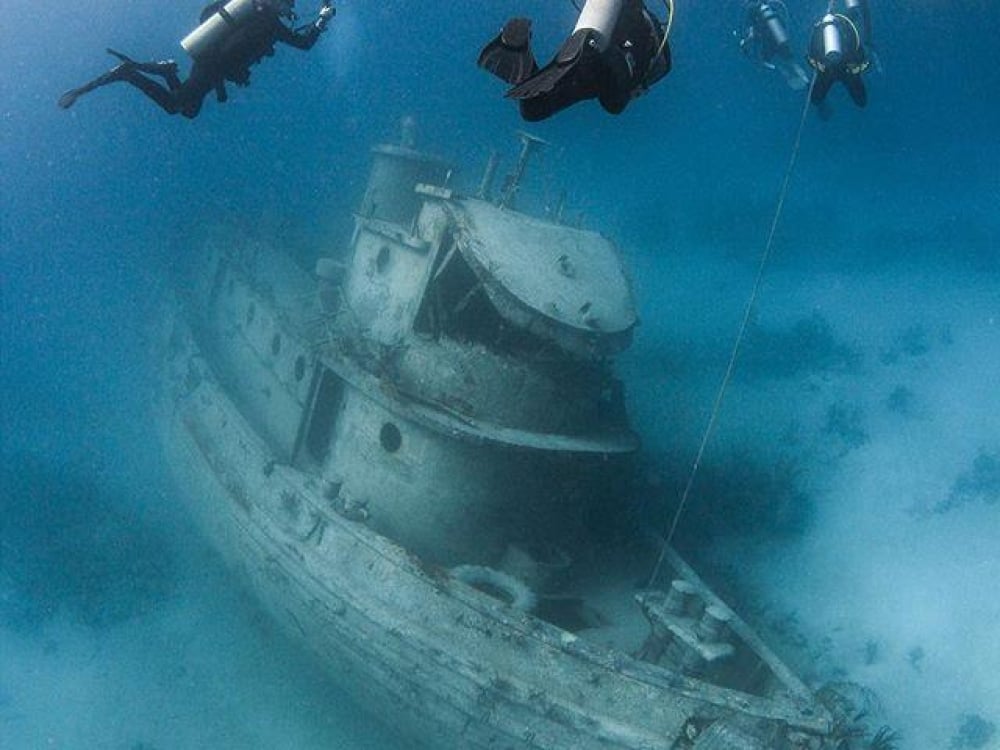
{"x": 414, "y": 453}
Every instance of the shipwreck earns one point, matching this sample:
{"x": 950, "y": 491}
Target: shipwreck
{"x": 410, "y": 452}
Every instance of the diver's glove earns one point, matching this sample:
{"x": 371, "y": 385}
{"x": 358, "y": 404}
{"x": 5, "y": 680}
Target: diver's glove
{"x": 325, "y": 14}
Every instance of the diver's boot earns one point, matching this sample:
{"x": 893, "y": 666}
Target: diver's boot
{"x": 509, "y": 56}
{"x": 164, "y": 68}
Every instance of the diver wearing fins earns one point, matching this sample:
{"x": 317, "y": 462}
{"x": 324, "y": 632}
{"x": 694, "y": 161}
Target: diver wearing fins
{"x": 765, "y": 40}
{"x": 617, "y": 50}
{"x": 838, "y": 50}
{"x": 231, "y": 37}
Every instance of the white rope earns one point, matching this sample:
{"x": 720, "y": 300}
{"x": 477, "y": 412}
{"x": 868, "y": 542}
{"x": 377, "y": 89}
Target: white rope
{"x": 740, "y": 335}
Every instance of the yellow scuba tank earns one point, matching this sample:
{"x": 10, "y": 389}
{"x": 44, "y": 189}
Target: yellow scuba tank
{"x": 217, "y": 27}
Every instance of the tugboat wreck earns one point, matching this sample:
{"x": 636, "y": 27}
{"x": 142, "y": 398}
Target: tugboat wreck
{"x": 413, "y": 455}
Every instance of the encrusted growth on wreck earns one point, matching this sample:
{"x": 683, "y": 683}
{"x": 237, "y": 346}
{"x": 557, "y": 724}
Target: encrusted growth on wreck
{"x": 410, "y": 453}
{"x": 458, "y": 365}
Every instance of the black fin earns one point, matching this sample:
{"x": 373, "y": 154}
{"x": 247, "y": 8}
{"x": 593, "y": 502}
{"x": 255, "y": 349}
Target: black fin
{"x": 566, "y": 62}
{"x": 119, "y": 55}
{"x": 69, "y": 98}
{"x": 118, "y": 73}
{"x": 509, "y": 56}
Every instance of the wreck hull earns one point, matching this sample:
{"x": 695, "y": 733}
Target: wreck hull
{"x": 387, "y": 632}
{"x": 418, "y": 468}
{"x": 451, "y": 665}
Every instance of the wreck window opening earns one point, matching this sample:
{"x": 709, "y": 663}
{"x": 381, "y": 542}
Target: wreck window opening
{"x": 457, "y": 306}
{"x": 382, "y": 259}
{"x": 431, "y": 314}
{"x": 251, "y": 312}
{"x": 300, "y": 368}
{"x": 390, "y": 437}
{"x": 276, "y": 344}
{"x": 322, "y": 416}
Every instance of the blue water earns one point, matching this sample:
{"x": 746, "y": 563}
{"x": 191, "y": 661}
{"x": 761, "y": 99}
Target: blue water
{"x": 864, "y": 413}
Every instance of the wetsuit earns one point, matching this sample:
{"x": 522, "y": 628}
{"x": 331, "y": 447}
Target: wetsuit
{"x": 765, "y": 41}
{"x": 848, "y": 69}
{"x": 626, "y": 68}
{"x": 765, "y": 37}
{"x": 230, "y": 61}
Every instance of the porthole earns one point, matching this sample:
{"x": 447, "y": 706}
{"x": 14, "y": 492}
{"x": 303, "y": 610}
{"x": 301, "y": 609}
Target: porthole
{"x": 300, "y": 367}
{"x": 390, "y": 437}
{"x": 251, "y": 312}
{"x": 382, "y": 259}
{"x": 276, "y": 344}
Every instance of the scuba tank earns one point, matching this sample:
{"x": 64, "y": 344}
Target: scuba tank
{"x": 860, "y": 14}
{"x": 772, "y": 23}
{"x": 217, "y": 27}
{"x": 600, "y": 16}
{"x": 832, "y": 49}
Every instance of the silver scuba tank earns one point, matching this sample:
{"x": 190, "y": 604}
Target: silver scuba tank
{"x": 860, "y": 14}
{"x": 601, "y": 16}
{"x": 216, "y": 27}
{"x": 833, "y": 49}
{"x": 773, "y": 24}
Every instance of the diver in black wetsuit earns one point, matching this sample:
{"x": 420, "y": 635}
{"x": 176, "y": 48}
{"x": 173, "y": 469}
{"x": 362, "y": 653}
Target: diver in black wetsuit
{"x": 616, "y": 52}
{"x": 232, "y": 37}
{"x": 838, "y": 50}
{"x": 764, "y": 39}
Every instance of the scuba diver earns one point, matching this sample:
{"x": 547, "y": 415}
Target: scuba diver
{"x": 838, "y": 50}
{"x": 231, "y": 37}
{"x": 765, "y": 40}
{"x": 617, "y": 50}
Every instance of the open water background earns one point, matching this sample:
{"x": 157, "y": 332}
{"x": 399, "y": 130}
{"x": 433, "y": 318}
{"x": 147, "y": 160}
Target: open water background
{"x": 850, "y": 498}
